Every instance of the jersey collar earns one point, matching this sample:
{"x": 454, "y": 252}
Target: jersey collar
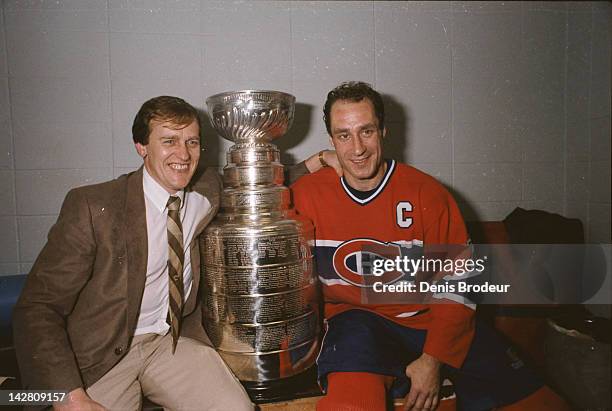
{"x": 363, "y": 201}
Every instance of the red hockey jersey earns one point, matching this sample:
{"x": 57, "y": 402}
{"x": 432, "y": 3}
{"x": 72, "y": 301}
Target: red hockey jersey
{"x": 408, "y": 209}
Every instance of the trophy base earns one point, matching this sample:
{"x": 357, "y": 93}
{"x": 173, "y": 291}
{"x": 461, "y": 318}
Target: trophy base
{"x": 298, "y": 386}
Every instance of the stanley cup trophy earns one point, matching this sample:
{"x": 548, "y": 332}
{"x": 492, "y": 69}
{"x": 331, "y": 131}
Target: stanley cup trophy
{"x": 260, "y": 293}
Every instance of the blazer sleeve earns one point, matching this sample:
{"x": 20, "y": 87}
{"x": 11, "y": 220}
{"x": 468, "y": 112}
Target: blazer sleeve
{"x": 62, "y": 269}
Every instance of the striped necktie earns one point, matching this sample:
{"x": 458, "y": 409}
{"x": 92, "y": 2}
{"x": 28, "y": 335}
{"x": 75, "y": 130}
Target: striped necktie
{"x": 176, "y": 258}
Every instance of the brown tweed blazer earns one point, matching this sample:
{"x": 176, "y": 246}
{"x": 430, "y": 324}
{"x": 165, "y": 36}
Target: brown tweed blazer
{"x": 78, "y": 311}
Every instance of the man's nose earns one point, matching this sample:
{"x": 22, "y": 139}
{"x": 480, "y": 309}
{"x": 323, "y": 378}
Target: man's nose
{"x": 182, "y": 152}
{"x": 358, "y": 146}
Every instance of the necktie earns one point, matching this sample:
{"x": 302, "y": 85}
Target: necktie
{"x": 176, "y": 258}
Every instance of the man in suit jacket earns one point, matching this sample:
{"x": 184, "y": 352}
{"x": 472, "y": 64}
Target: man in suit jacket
{"x": 92, "y": 318}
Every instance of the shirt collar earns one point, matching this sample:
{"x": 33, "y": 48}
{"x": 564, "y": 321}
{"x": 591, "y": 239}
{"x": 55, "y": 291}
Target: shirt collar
{"x": 156, "y": 193}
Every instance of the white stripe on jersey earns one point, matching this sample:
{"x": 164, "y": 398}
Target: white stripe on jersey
{"x": 457, "y": 277}
{"x": 334, "y": 243}
{"x": 334, "y": 281}
{"x": 407, "y": 314}
{"x": 456, "y": 298}
{"x": 327, "y": 243}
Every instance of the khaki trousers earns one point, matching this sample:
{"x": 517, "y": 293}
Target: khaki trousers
{"x": 193, "y": 378}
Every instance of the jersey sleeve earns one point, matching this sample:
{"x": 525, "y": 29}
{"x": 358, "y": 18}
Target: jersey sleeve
{"x": 452, "y": 324}
{"x": 299, "y": 197}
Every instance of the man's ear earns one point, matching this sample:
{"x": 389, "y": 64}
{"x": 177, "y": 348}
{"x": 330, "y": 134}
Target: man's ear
{"x": 141, "y": 149}
{"x": 384, "y": 133}
{"x": 331, "y": 141}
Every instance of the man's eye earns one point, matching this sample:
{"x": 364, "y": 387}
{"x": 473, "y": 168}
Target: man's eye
{"x": 368, "y": 132}
{"x": 193, "y": 143}
{"x": 342, "y": 136}
{"x": 168, "y": 141}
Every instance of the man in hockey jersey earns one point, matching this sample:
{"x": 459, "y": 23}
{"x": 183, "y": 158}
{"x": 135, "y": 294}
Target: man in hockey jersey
{"x": 373, "y": 352}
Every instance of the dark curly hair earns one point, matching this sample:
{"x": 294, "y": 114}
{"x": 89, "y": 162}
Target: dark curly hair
{"x": 162, "y": 108}
{"x": 354, "y": 91}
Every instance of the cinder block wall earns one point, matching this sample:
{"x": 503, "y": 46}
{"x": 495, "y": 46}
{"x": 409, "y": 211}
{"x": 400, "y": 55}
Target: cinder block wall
{"x": 507, "y": 103}
{"x": 587, "y": 161}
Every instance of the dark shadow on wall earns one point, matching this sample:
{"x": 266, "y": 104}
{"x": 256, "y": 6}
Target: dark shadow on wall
{"x": 211, "y": 143}
{"x": 399, "y": 135}
{"x": 397, "y": 122}
{"x": 302, "y": 121}
{"x": 468, "y": 212}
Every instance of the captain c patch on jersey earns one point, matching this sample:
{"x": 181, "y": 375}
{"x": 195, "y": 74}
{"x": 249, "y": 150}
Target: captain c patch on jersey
{"x": 403, "y": 211}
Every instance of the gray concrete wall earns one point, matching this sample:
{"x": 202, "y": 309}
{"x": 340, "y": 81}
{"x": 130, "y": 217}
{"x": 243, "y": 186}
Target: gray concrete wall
{"x": 507, "y": 103}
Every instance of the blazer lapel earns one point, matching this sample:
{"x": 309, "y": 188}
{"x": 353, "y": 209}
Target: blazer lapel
{"x": 136, "y": 244}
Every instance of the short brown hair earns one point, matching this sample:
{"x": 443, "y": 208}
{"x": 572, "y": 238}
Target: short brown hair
{"x": 162, "y": 108}
{"x": 354, "y": 91}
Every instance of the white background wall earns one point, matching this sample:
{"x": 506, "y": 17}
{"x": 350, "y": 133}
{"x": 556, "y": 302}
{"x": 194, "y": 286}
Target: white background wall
{"x": 508, "y": 104}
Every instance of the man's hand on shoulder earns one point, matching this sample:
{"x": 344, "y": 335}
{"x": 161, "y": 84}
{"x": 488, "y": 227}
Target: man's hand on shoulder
{"x": 424, "y": 374}
{"x": 325, "y": 158}
{"x": 78, "y": 400}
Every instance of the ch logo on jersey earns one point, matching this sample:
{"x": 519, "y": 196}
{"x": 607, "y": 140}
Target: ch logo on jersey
{"x": 402, "y": 212}
{"x": 353, "y": 261}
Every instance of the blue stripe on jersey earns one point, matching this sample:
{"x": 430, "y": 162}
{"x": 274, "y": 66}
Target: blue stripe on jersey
{"x": 323, "y": 256}
{"x": 362, "y": 263}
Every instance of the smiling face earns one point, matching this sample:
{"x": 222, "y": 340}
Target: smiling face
{"x": 357, "y": 138}
{"x": 172, "y": 153}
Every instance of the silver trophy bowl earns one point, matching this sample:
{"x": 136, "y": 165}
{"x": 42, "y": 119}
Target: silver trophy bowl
{"x": 251, "y": 115}
{"x": 260, "y": 293}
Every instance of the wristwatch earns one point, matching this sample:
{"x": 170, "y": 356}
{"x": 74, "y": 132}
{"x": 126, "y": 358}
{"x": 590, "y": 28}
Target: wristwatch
{"x": 322, "y": 160}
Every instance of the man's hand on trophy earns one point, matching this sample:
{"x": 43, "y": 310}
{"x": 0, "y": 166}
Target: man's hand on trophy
{"x": 324, "y": 158}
